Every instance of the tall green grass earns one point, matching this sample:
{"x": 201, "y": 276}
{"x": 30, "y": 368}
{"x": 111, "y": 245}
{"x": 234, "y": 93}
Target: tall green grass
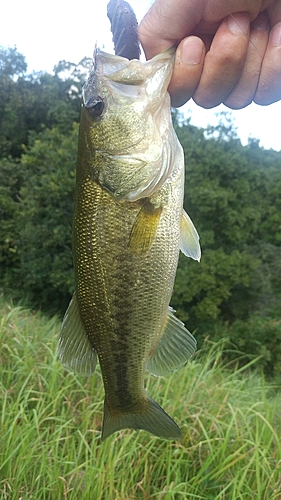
{"x": 51, "y": 419}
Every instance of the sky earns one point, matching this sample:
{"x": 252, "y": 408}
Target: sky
{"x": 47, "y": 32}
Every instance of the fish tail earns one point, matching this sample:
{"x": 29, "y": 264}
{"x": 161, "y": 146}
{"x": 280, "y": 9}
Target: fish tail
{"x": 149, "y": 417}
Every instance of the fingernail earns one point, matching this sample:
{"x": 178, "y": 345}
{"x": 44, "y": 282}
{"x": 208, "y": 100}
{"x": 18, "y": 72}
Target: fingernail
{"x": 239, "y": 23}
{"x": 192, "y": 50}
{"x": 275, "y": 35}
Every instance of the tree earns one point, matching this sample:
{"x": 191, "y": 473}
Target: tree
{"x": 232, "y": 195}
{"x": 12, "y": 63}
{"x": 28, "y": 103}
{"x": 10, "y": 209}
{"x": 46, "y": 271}
{"x": 232, "y": 199}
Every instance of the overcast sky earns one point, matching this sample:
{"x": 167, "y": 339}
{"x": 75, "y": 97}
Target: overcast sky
{"x": 47, "y": 32}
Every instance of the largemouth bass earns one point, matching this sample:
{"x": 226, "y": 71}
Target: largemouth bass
{"x": 129, "y": 226}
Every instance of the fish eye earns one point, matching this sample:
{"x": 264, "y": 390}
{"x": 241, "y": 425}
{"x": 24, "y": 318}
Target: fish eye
{"x": 95, "y": 106}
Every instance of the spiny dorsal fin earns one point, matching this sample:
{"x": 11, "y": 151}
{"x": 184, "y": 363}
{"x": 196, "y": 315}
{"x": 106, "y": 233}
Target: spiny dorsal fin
{"x": 189, "y": 238}
{"x": 75, "y": 350}
{"x": 174, "y": 348}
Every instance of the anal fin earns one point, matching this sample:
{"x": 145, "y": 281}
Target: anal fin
{"x": 75, "y": 350}
{"x": 175, "y": 347}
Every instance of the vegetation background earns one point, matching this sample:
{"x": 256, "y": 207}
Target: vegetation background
{"x": 233, "y": 197}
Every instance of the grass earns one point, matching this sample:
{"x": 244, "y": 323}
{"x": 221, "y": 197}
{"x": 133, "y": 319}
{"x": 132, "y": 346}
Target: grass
{"x": 51, "y": 419}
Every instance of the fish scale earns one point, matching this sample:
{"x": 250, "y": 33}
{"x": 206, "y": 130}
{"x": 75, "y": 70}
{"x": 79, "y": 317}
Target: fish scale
{"x": 129, "y": 226}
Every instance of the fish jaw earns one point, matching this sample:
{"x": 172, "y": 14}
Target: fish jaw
{"x": 128, "y": 79}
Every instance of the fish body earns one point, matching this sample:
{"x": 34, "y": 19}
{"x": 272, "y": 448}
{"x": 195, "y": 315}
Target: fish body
{"x": 128, "y": 228}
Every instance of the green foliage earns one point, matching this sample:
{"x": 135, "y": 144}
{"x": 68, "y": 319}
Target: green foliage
{"x": 201, "y": 289}
{"x": 258, "y": 337}
{"x": 46, "y": 219}
{"x": 10, "y": 209}
{"x": 32, "y": 102}
{"x": 225, "y": 188}
{"x": 11, "y": 62}
{"x": 232, "y": 194}
{"x": 50, "y": 444}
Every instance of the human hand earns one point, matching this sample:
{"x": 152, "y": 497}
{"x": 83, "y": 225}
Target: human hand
{"x": 227, "y": 52}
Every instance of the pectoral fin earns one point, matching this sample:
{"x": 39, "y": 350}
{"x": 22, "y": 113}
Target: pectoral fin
{"x": 144, "y": 229}
{"x": 75, "y": 350}
{"x": 174, "y": 348}
{"x": 189, "y": 238}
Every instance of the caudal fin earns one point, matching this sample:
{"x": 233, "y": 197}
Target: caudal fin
{"x": 149, "y": 417}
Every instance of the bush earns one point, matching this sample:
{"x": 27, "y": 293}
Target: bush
{"x": 256, "y": 337}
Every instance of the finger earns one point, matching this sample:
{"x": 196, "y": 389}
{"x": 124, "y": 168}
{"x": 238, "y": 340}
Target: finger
{"x": 187, "y": 70}
{"x": 269, "y": 87}
{"x": 166, "y": 23}
{"x": 224, "y": 62}
{"x": 244, "y": 91}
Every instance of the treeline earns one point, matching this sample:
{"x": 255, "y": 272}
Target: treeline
{"x": 232, "y": 195}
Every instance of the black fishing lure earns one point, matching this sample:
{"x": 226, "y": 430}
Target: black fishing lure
{"x": 124, "y": 27}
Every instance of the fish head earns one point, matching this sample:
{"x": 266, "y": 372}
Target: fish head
{"x": 126, "y": 118}
{"x": 125, "y": 88}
